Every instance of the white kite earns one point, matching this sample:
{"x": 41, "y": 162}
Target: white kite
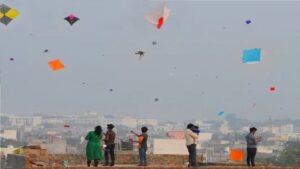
{"x": 159, "y": 16}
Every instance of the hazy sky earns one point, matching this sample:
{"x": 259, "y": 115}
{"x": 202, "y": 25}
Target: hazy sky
{"x": 195, "y": 70}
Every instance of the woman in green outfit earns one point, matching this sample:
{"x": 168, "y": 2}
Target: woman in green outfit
{"x": 94, "y": 146}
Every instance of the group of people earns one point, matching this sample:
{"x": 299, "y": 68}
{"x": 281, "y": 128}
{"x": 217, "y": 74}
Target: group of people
{"x": 94, "y": 145}
{"x": 193, "y": 131}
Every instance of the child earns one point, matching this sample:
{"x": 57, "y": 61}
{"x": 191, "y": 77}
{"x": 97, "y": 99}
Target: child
{"x": 142, "y": 140}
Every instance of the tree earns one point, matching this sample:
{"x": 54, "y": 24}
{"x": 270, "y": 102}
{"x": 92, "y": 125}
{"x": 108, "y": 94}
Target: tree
{"x": 290, "y": 156}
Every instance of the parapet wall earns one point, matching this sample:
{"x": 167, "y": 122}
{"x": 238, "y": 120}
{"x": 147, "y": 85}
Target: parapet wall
{"x": 123, "y": 161}
{"x": 170, "y": 167}
{"x": 32, "y": 160}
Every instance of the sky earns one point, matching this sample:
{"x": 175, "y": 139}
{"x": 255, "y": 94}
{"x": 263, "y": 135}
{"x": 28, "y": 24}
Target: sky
{"x": 195, "y": 70}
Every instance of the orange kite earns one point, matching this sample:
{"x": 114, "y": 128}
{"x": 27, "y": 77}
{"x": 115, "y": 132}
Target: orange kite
{"x": 56, "y": 65}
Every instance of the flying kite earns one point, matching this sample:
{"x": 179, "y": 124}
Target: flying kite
{"x": 156, "y": 99}
{"x": 154, "y": 43}
{"x": 272, "y": 88}
{"x": 56, "y": 65}
{"x": 140, "y": 53}
{"x": 131, "y": 139}
{"x": 71, "y": 19}
{"x": 220, "y": 113}
{"x": 11, "y": 59}
{"x": 111, "y": 90}
{"x": 67, "y": 126}
{"x": 248, "y": 22}
{"x": 159, "y": 16}
{"x": 251, "y": 56}
{"x": 7, "y": 14}
{"x": 46, "y": 50}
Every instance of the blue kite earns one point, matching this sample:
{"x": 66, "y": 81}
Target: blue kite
{"x": 251, "y": 55}
{"x": 221, "y": 113}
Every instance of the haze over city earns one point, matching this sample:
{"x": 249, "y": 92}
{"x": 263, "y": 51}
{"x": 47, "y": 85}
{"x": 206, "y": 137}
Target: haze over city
{"x": 194, "y": 71}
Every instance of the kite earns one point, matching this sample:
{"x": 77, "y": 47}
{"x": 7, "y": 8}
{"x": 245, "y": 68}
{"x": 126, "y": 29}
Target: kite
{"x": 272, "y": 88}
{"x": 156, "y": 99}
{"x": 56, "y": 65}
{"x": 66, "y": 126}
{"x": 111, "y": 90}
{"x": 221, "y": 113}
{"x": 131, "y": 139}
{"x": 140, "y": 53}
{"x": 248, "y": 21}
{"x": 154, "y": 43}
{"x": 46, "y": 50}
{"x": 159, "y": 16}
{"x": 236, "y": 155}
{"x": 251, "y": 55}
{"x": 7, "y": 14}
{"x": 71, "y": 19}
{"x": 11, "y": 59}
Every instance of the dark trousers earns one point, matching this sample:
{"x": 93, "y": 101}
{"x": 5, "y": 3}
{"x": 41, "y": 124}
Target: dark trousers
{"x": 143, "y": 156}
{"x": 95, "y": 163}
{"x": 110, "y": 150}
{"x": 192, "y": 155}
{"x": 251, "y": 152}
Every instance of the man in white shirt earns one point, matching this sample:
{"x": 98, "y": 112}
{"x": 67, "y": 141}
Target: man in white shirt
{"x": 191, "y": 139}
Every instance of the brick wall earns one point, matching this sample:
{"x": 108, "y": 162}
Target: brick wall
{"x": 31, "y": 160}
{"x": 124, "y": 161}
{"x": 167, "y": 167}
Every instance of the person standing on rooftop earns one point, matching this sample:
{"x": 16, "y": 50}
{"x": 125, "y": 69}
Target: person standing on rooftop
{"x": 191, "y": 139}
{"x": 94, "y": 146}
{"x": 110, "y": 145}
{"x": 142, "y": 140}
{"x": 252, "y": 146}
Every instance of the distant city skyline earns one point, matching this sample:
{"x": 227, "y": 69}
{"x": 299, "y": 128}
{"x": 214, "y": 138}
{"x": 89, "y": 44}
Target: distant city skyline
{"x": 194, "y": 70}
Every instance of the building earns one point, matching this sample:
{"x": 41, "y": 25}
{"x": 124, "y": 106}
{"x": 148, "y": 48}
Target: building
{"x": 128, "y": 121}
{"x": 176, "y": 134}
{"x": 8, "y": 134}
{"x": 202, "y": 125}
{"x": 286, "y": 129}
{"x": 20, "y": 121}
{"x": 203, "y": 137}
{"x": 169, "y": 146}
{"x": 93, "y": 118}
{"x": 7, "y": 150}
